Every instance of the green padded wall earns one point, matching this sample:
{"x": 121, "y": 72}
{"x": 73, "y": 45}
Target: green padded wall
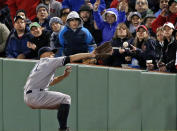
{"x": 158, "y": 101}
{"x": 124, "y": 100}
{"x": 17, "y": 116}
{"x": 1, "y": 117}
{"x": 68, "y": 86}
{"x": 92, "y": 98}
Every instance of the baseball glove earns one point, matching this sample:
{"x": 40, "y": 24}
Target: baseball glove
{"x": 104, "y": 50}
{"x": 89, "y": 61}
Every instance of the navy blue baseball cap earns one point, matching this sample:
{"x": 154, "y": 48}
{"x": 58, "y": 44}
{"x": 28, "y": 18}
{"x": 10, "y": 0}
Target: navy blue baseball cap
{"x": 18, "y": 17}
{"x": 46, "y": 49}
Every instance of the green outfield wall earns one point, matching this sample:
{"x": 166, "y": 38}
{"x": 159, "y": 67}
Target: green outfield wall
{"x": 124, "y": 100}
{"x": 103, "y": 99}
{"x": 16, "y": 115}
{"x": 158, "y": 101}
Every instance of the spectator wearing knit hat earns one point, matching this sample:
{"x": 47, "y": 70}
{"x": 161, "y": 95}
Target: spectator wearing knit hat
{"x": 56, "y": 25}
{"x": 43, "y": 16}
{"x": 54, "y": 7}
{"x": 85, "y": 13}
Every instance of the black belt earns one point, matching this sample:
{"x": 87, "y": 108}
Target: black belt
{"x": 30, "y": 91}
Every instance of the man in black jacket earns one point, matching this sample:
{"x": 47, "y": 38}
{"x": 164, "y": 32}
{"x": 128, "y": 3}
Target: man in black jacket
{"x": 40, "y": 39}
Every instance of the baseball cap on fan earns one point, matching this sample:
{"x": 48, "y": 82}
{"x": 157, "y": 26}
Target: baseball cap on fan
{"x": 142, "y": 26}
{"x": 46, "y": 49}
{"x": 169, "y": 24}
{"x": 34, "y": 24}
{"x": 134, "y": 14}
{"x": 18, "y": 17}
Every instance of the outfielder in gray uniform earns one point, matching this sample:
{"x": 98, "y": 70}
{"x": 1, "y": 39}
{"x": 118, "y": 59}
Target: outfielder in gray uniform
{"x": 36, "y": 94}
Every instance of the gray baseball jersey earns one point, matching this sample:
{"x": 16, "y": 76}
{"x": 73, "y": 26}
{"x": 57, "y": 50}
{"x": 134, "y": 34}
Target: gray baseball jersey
{"x": 40, "y": 77}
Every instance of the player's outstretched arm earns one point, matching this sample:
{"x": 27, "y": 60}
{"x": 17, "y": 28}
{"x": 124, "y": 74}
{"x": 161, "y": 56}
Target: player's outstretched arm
{"x": 60, "y": 78}
{"x": 102, "y": 50}
{"x": 81, "y": 56}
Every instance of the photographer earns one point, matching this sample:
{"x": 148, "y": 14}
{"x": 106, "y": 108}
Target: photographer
{"x": 143, "y": 47}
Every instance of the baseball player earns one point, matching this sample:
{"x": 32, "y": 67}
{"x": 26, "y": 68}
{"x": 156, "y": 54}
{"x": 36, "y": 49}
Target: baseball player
{"x": 36, "y": 94}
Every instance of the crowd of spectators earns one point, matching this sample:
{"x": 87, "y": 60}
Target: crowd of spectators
{"x": 142, "y": 32}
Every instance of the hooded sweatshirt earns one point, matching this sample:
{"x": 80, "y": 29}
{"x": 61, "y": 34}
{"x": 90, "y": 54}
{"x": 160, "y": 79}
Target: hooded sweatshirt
{"x": 75, "y": 41}
{"x": 54, "y": 8}
{"x": 108, "y": 29}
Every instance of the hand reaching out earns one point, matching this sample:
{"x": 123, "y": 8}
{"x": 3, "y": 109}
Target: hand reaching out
{"x": 96, "y": 5}
{"x": 90, "y": 5}
{"x": 121, "y": 50}
{"x": 164, "y": 12}
{"x": 133, "y": 47}
{"x": 67, "y": 71}
{"x": 122, "y": 6}
{"x": 31, "y": 45}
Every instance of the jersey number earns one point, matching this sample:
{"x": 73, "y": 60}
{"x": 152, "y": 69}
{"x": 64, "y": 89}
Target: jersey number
{"x": 36, "y": 68}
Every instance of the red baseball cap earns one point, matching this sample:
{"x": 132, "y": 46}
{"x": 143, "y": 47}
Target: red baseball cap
{"x": 141, "y": 26}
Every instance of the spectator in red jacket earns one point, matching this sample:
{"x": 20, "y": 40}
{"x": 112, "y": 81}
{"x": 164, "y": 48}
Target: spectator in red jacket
{"x": 167, "y": 15}
{"x": 28, "y": 5}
